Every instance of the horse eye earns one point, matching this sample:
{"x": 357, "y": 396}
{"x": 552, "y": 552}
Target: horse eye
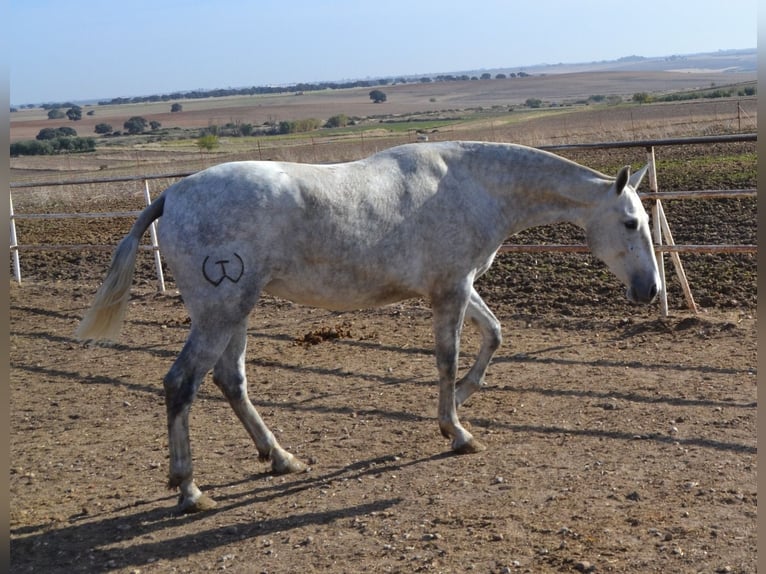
{"x": 632, "y": 224}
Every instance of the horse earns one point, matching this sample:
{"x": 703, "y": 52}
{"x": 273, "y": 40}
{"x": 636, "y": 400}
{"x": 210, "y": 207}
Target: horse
{"x": 417, "y": 220}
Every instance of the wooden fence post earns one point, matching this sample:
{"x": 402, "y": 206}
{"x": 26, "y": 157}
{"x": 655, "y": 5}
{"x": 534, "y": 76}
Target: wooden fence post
{"x": 662, "y": 230}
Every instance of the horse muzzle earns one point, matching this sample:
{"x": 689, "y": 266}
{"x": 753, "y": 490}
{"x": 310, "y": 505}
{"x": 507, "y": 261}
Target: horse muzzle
{"x": 643, "y": 291}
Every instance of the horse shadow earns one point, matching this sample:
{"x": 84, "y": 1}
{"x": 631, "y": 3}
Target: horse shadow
{"x": 141, "y": 533}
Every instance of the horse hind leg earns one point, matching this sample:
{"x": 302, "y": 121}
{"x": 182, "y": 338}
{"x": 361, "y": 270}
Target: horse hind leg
{"x": 199, "y": 354}
{"x": 229, "y": 376}
{"x": 491, "y": 338}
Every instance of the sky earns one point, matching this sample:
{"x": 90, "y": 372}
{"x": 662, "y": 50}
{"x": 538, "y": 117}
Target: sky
{"x": 101, "y": 49}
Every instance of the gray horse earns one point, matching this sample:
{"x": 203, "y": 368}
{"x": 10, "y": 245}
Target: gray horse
{"x": 418, "y": 220}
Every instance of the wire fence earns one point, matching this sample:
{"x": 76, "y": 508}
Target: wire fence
{"x": 663, "y": 238}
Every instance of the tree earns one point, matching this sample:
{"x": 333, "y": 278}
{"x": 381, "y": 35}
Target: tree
{"x": 46, "y": 134}
{"x": 103, "y": 128}
{"x": 533, "y": 103}
{"x": 53, "y": 133}
{"x": 55, "y": 114}
{"x": 60, "y": 144}
{"x": 74, "y": 113}
{"x": 176, "y": 107}
{"x": 377, "y": 96}
{"x": 31, "y": 147}
{"x": 155, "y": 125}
{"x": 135, "y": 125}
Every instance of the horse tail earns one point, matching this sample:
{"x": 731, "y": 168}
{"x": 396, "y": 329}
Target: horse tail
{"x": 104, "y": 318}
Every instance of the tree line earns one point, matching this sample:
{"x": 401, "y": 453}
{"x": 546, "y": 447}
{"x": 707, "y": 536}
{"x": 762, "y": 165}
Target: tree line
{"x": 299, "y": 88}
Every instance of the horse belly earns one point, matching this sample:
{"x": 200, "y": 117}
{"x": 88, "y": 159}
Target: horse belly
{"x": 337, "y": 291}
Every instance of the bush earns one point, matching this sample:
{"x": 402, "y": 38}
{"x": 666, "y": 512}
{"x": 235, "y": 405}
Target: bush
{"x": 208, "y": 142}
{"x": 299, "y": 126}
{"x": 339, "y": 121}
{"x": 54, "y": 146}
{"x": 31, "y": 147}
{"x": 103, "y": 128}
{"x": 53, "y": 133}
{"x": 642, "y": 98}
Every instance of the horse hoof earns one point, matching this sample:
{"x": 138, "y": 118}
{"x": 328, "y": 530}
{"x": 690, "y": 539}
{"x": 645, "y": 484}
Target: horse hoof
{"x": 470, "y": 447}
{"x": 286, "y": 464}
{"x": 201, "y": 504}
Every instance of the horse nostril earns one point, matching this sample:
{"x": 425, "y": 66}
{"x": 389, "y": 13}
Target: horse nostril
{"x": 653, "y": 291}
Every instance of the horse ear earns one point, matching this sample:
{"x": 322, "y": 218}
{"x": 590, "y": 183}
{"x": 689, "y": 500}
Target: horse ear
{"x": 635, "y": 179}
{"x": 622, "y": 179}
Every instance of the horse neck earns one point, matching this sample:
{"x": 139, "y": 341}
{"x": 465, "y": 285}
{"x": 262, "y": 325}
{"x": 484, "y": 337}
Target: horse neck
{"x": 539, "y": 188}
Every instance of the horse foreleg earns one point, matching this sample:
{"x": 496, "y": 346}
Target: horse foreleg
{"x": 229, "y": 376}
{"x": 448, "y": 314}
{"x": 491, "y": 337}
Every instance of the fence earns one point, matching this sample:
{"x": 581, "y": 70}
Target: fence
{"x": 662, "y": 234}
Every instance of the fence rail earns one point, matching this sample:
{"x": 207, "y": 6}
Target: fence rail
{"x": 662, "y": 235}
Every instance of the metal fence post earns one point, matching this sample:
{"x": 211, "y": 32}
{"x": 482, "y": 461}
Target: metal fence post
{"x": 155, "y": 245}
{"x": 14, "y": 245}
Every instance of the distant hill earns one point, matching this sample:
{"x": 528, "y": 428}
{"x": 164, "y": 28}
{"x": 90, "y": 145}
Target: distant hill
{"x": 721, "y": 61}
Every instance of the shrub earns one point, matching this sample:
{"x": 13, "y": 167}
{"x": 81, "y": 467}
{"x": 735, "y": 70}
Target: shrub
{"x": 642, "y": 98}
{"x": 208, "y": 142}
{"x": 299, "y": 126}
{"x": 53, "y": 133}
{"x": 31, "y": 147}
{"x": 53, "y": 146}
{"x": 339, "y": 121}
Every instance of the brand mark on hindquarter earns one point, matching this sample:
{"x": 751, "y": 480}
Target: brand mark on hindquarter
{"x": 216, "y": 270}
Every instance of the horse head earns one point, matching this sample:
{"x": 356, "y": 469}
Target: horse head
{"x": 618, "y": 234}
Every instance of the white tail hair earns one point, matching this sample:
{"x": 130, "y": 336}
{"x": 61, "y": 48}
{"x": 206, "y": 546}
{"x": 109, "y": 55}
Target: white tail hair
{"x": 104, "y": 318}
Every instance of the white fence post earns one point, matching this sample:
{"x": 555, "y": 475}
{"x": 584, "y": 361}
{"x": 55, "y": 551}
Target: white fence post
{"x": 14, "y": 245}
{"x": 155, "y": 245}
{"x": 657, "y": 230}
{"x": 661, "y": 230}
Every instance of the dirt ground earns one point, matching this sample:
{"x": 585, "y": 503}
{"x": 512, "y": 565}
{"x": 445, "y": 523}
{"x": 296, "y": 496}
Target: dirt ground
{"x": 618, "y": 441}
